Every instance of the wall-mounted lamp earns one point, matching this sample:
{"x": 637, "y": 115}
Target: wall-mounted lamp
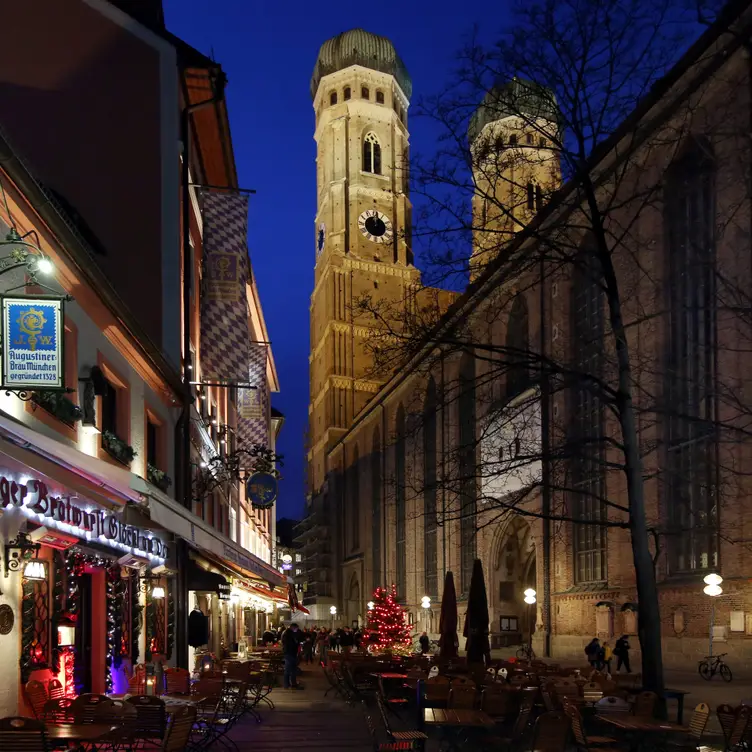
{"x": 35, "y": 570}
{"x": 157, "y": 592}
{"x": 18, "y": 551}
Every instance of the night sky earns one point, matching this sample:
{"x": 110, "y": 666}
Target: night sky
{"x": 268, "y": 50}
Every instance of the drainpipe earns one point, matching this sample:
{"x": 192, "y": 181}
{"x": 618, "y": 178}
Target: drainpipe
{"x": 443, "y": 468}
{"x": 545, "y": 471}
{"x": 183, "y": 428}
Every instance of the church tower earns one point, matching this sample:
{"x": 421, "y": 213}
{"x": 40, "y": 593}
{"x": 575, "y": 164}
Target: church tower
{"x": 513, "y": 137}
{"x": 361, "y": 92}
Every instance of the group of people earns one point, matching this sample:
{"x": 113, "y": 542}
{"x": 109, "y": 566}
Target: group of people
{"x": 600, "y": 656}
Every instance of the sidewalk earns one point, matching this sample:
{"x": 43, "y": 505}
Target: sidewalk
{"x": 305, "y": 720}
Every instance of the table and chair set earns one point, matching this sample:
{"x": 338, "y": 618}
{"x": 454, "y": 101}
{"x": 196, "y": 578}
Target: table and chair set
{"x": 183, "y": 714}
{"x": 514, "y": 705}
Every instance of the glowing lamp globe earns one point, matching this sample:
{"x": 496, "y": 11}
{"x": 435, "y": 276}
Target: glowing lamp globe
{"x": 370, "y": 605}
{"x": 712, "y": 590}
{"x": 712, "y": 579}
{"x": 333, "y": 610}
{"x": 425, "y": 602}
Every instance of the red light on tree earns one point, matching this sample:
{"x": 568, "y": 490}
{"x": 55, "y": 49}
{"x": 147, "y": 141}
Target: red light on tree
{"x": 387, "y": 626}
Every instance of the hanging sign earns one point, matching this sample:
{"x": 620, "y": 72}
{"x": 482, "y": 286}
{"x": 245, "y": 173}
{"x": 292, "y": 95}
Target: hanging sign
{"x": 261, "y": 490}
{"x": 224, "y": 589}
{"x": 32, "y": 343}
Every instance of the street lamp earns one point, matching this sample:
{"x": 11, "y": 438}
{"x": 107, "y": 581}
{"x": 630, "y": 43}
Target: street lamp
{"x": 425, "y": 603}
{"x": 713, "y": 589}
{"x": 530, "y": 599}
{"x": 333, "y": 612}
{"x": 530, "y": 596}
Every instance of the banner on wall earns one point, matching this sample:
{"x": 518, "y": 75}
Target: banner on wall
{"x": 253, "y": 404}
{"x": 224, "y": 310}
{"x": 32, "y": 343}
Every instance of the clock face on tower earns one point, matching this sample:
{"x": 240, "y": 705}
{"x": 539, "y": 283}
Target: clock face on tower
{"x": 375, "y": 226}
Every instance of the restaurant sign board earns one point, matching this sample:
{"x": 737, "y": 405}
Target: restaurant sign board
{"x": 80, "y": 518}
{"x": 32, "y": 343}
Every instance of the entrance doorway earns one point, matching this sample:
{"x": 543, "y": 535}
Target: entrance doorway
{"x": 513, "y": 571}
{"x": 82, "y": 675}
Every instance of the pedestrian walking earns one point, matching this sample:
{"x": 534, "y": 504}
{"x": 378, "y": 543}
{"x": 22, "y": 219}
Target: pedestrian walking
{"x": 290, "y": 647}
{"x": 308, "y": 645}
{"x": 425, "y": 643}
{"x": 592, "y": 649}
{"x": 621, "y": 651}
{"x": 607, "y": 656}
{"x": 322, "y": 643}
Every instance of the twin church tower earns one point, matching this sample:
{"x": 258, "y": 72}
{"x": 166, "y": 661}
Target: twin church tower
{"x": 361, "y": 94}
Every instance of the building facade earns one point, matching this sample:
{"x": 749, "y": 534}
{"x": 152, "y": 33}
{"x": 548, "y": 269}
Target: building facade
{"x": 460, "y": 456}
{"x": 126, "y": 507}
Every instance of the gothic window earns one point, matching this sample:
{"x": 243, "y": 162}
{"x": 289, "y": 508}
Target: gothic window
{"x": 430, "y": 548}
{"x": 380, "y": 97}
{"x": 376, "y": 507}
{"x": 588, "y": 481}
{"x": 691, "y": 464}
{"x": 467, "y": 469}
{"x": 354, "y": 505}
{"x": 531, "y": 197}
{"x": 333, "y": 98}
{"x": 400, "y": 506}
{"x": 346, "y": 94}
{"x": 371, "y": 154}
{"x": 364, "y": 93}
{"x": 518, "y": 348}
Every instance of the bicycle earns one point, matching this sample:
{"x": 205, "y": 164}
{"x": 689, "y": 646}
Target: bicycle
{"x": 712, "y": 665}
{"x": 526, "y": 653}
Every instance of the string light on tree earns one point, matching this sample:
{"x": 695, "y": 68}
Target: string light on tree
{"x": 387, "y": 626}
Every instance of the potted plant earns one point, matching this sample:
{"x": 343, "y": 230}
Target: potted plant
{"x": 58, "y": 405}
{"x": 158, "y": 478}
{"x": 117, "y": 448}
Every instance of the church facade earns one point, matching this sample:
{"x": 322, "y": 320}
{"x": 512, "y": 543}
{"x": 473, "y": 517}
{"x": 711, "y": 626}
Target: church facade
{"x": 465, "y": 452}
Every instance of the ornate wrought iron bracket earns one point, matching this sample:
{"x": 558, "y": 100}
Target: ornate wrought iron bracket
{"x": 18, "y": 551}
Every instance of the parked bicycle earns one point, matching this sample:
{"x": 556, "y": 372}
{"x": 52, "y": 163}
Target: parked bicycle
{"x": 526, "y": 653}
{"x": 712, "y": 665}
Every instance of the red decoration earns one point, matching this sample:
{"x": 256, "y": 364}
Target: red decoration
{"x": 66, "y": 659}
{"x": 37, "y": 653}
{"x": 387, "y": 625}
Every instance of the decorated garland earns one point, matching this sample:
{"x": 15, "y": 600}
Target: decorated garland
{"x": 112, "y": 576}
{"x": 170, "y": 623}
{"x": 150, "y": 627}
{"x": 58, "y": 607}
{"x": 136, "y": 617}
{"x": 28, "y": 607}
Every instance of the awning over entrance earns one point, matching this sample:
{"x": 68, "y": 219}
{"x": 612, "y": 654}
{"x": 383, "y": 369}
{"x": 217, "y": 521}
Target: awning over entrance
{"x": 201, "y": 580}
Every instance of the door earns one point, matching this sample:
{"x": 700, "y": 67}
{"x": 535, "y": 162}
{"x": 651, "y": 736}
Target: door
{"x": 82, "y": 671}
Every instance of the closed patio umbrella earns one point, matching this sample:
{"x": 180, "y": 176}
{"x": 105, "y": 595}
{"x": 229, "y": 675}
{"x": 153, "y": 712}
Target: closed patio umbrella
{"x": 476, "y": 618}
{"x": 448, "y": 641}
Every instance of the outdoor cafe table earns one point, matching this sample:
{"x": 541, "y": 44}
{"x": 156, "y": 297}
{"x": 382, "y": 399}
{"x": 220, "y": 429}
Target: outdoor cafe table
{"x": 641, "y": 727}
{"x": 66, "y": 733}
{"x": 451, "y": 721}
{"x": 668, "y": 694}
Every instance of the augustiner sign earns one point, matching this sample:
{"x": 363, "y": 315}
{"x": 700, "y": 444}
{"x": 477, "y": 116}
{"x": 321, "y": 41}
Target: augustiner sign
{"x": 82, "y": 519}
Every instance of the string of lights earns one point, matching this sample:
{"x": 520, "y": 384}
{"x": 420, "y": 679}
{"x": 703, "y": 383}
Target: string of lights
{"x": 387, "y": 628}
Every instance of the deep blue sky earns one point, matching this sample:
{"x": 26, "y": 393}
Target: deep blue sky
{"x": 268, "y": 50}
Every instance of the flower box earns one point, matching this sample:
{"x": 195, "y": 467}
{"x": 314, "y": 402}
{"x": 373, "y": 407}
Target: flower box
{"x": 58, "y": 405}
{"x": 158, "y": 478}
{"x": 117, "y": 448}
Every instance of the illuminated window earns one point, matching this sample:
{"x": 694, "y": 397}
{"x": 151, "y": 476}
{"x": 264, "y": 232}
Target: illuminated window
{"x": 380, "y": 97}
{"x": 347, "y": 93}
{"x": 364, "y": 93}
{"x": 371, "y": 154}
{"x": 333, "y": 98}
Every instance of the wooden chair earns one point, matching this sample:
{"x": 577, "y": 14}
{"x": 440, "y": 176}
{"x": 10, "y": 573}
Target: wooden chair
{"x": 137, "y": 684}
{"x": 697, "y": 726}
{"x": 178, "y": 681}
{"x": 584, "y": 742}
{"x": 36, "y": 694}
{"x": 61, "y": 710}
{"x": 151, "y": 717}
{"x": 122, "y": 715}
{"x": 436, "y": 689}
{"x": 739, "y": 727}
{"x": 592, "y": 692}
{"x": 179, "y": 730}
{"x": 551, "y": 732}
{"x": 416, "y": 739}
{"x": 378, "y": 746}
{"x": 462, "y": 696}
{"x": 726, "y": 717}
{"x": 85, "y": 706}
{"x": 19, "y": 734}
{"x": 612, "y": 704}
{"x": 644, "y": 706}
{"x": 497, "y": 704}
{"x": 55, "y": 689}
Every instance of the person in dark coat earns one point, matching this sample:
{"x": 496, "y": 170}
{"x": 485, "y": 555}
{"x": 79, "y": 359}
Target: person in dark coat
{"x": 290, "y": 648}
{"x": 592, "y": 650}
{"x": 425, "y": 643}
{"x": 621, "y": 651}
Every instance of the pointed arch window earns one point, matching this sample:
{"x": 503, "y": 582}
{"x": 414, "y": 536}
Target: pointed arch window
{"x": 430, "y": 547}
{"x": 365, "y": 93}
{"x": 518, "y": 348}
{"x": 333, "y": 98}
{"x": 467, "y": 467}
{"x": 354, "y": 503}
{"x": 380, "y": 97}
{"x": 400, "y": 504}
{"x": 691, "y": 466}
{"x": 376, "y": 508}
{"x": 371, "y": 154}
{"x": 588, "y": 478}
{"x": 346, "y": 93}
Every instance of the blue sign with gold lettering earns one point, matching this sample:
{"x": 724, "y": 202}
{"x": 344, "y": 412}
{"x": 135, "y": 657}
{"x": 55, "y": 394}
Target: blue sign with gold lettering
{"x": 32, "y": 343}
{"x": 261, "y": 489}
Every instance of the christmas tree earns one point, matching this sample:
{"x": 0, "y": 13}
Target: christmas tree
{"x": 387, "y": 627}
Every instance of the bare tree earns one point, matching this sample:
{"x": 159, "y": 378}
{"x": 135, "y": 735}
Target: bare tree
{"x": 553, "y": 195}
